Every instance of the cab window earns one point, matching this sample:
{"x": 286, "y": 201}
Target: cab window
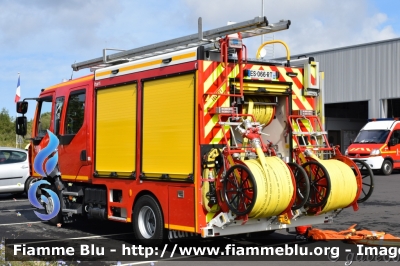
{"x": 44, "y": 121}
{"x": 75, "y": 112}
{"x": 57, "y": 116}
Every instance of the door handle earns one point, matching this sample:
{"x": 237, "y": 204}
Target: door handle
{"x": 24, "y": 166}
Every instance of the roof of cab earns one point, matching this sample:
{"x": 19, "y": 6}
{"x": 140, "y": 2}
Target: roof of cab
{"x": 72, "y": 81}
{"x": 387, "y": 125}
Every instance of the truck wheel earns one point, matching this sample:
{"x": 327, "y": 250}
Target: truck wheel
{"x": 50, "y": 206}
{"x": 387, "y": 167}
{"x": 148, "y": 222}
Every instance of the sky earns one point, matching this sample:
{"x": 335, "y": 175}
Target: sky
{"x": 41, "y": 39}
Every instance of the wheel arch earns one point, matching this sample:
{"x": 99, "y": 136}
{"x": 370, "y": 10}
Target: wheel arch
{"x": 390, "y": 159}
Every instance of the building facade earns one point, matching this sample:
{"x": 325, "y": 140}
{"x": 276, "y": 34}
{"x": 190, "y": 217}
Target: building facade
{"x": 361, "y": 82}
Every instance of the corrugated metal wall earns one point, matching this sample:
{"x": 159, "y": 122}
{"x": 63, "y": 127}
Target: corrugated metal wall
{"x": 367, "y": 72}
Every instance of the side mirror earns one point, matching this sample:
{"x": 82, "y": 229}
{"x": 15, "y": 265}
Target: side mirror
{"x": 22, "y": 107}
{"x": 351, "y": 141}
{"x": 21, "y": 126}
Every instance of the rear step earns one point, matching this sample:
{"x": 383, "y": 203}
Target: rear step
{"x": 71, "y": 193}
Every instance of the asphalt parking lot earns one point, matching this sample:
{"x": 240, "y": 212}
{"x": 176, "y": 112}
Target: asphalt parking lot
{"x": 18, "y": 221}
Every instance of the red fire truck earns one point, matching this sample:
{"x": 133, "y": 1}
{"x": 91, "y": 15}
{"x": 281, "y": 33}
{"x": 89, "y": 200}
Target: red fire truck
{"x": 192, "y": 135}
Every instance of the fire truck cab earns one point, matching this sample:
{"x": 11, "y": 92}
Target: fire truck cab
{"x": 378, "y": 144}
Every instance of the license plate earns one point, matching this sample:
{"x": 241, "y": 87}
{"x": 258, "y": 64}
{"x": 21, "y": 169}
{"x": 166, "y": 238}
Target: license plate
{"x": 261, "y": 74}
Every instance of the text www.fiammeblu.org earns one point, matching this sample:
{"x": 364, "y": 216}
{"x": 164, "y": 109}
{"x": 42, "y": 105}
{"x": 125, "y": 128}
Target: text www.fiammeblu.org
{"x": 230, "y": 250}
{"x": 362, "y": 253}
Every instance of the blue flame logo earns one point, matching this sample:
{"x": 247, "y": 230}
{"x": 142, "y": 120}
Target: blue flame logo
{"x": 52, "y": 201}
{"x": 50, "y": 153}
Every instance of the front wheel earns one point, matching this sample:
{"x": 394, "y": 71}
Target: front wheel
{"x": 49, "y": 207}
{"x": 148, "y": 222}
{"x": 387, "y": 167}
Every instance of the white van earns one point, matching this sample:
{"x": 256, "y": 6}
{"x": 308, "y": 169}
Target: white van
{"x": 378, "y": 144}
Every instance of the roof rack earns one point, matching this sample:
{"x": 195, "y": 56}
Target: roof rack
{"x": 250, "y": 28}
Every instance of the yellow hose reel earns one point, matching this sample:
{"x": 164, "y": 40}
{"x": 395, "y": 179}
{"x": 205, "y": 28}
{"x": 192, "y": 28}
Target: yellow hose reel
{"x": 274, "y": 187}
{"x": 265, "y": 187}
{"x": 264, "y": 114}
{"x": 332, "y": 185}
{"x": 250, "y": 189}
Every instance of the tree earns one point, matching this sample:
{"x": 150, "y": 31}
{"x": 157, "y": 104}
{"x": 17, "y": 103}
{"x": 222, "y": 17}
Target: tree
{"x": 7, "y": 130}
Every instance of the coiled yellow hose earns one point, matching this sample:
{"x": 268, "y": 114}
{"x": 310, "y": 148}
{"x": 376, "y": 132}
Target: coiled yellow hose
{"x": 274, "y": 187}
{"x": 262, "y": 113}
{"x": 343, "y": 184}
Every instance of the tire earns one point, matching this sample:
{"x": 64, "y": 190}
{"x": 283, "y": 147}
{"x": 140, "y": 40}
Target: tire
{"x": 28, "y": 183}
{"x": 387, "y": 167}
{"x": 49, "y": 207}
{"x": 148, "y": 221}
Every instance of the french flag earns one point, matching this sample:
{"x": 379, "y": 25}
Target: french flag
{"x": 18, "y": 93}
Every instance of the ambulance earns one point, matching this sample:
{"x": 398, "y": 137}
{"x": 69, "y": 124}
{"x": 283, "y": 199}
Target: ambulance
{"x": 378, "y": 145}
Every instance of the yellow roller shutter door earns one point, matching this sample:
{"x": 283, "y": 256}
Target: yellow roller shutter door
{"x": 116, "y": 130}
{"x": 168, "y": 127}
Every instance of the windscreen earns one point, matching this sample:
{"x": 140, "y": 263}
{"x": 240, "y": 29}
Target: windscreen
{"x": 372, "y": 136}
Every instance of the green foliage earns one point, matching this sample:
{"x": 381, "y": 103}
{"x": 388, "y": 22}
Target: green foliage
{"x": 44, "y": 122}
{"x": 7, "y": 130}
